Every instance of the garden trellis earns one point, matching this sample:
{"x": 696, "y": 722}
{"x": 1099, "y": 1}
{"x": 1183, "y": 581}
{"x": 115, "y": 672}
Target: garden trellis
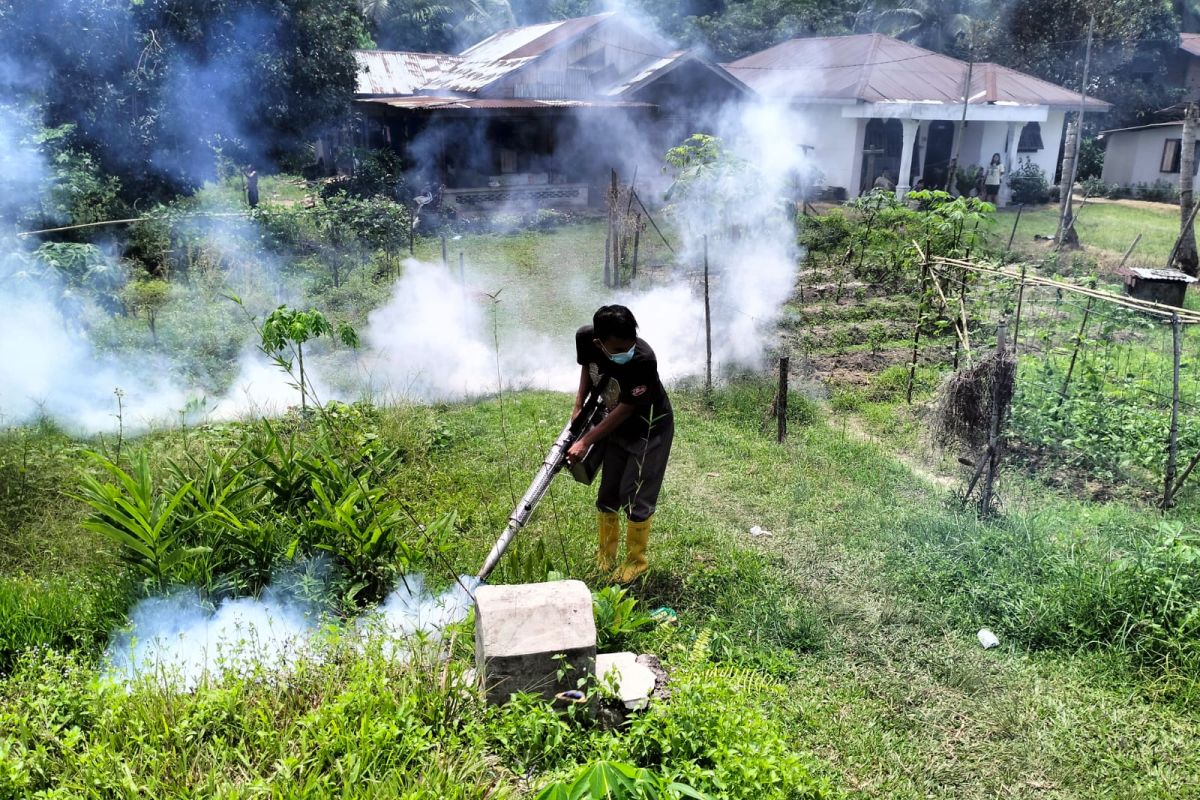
{"x": 1101, "y": 381}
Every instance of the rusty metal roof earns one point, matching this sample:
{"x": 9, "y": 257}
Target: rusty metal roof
{"x": 880, "y": 69}
{"x": 429, "y": 103}
{"x": 657, "y": 67}
{"x": 1190, "y": 43}
{"x": 389, "y": 72}
{"x": 531, "y": 40}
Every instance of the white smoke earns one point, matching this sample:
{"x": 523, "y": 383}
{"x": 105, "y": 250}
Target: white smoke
{"x": 434, "y": 340}
{"x": 179, "y": 642}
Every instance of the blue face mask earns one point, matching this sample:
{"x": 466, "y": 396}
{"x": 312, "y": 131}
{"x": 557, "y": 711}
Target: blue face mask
{"x": 623, "y": 358}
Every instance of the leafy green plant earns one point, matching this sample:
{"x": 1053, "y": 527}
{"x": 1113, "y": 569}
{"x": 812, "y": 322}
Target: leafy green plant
{"x": 1028, "y": 184}
{"x": 618, "y": 618}
{"x": 140, "y": 517}
{"x": 612, "y": 780}
{"x": 286, "y": 327}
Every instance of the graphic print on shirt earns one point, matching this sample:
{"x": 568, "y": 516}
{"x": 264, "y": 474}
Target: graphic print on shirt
{"x": 612, "y": 392}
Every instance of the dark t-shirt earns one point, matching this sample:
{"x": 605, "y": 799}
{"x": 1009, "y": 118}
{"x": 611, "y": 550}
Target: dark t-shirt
{"x": 636, "y": 382}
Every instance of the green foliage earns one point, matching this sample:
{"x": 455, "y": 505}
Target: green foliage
{"x": 1028, "y": 184}
{"x": 618, "y": 619}
{"x": 286, "y": 327}
{"x": 1158, "y": 192}
{"x": 612, "y": 780}
{"x": 63, "y": 613}
{"x": 146, "y": 298}
{"x": 140, "y": 517}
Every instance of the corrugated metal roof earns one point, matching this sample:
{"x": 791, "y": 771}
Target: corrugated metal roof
{"x": 1148, "y": 274}
{"x": 657, "y": 67}
{"x": 1177, "y": 123}
{"x": 531, "y": 40}
{"x": 389, "y": 72}
{"x": 1190, "y": 43}
{"x": 449, "y": 103}
{"x": 880, "y": 69}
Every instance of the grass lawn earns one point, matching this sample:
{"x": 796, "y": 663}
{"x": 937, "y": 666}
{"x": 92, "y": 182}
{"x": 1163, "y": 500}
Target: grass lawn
{"x": 862, "y": 604}
{"x": 1104, "y": 226}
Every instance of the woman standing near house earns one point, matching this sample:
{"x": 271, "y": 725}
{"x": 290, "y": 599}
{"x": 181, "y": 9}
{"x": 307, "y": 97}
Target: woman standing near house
{"x": 991, "y": 180}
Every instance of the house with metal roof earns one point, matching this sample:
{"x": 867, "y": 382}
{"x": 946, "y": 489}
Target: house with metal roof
{"x": 541, "y": 113}
{"x": 1150, "y": 154}
{"x": 874, "y": 104}
{"x": 538, "y": 115}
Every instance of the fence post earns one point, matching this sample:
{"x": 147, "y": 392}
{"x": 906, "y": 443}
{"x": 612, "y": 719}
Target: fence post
{"x": 445, "y": 256}
{"x": 993, "y": 453}
{"x": 1013, "y": 235}
{"x": 1087, "y": 310}
{"x": 1173, "y": 439}
{"x": 1020, "y": 306}
{"x": 707, "y": 326}
{"x": 781, "y": 401}
{"x": 912, "y": 366}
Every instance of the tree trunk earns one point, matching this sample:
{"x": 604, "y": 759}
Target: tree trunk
{"x": 1067, "y": 237}
{"x": 1186, "y": 258}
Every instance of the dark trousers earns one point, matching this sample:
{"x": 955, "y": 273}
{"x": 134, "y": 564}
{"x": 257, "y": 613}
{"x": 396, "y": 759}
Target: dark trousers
{"x": 633, "y": 472}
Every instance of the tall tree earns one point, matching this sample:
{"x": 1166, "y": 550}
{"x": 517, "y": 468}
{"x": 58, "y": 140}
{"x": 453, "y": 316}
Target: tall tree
{"x": 438, "y": 26}
{"x": 940, "y": 25}
{"x": 156, "y": 87}
{"x": 1185, "y": 255}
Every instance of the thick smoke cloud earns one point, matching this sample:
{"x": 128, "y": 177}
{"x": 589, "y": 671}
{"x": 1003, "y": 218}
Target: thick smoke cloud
{"x": 179, "y": 641}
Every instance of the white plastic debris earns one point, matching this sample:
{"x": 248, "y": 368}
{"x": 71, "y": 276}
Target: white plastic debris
{"x": 759, "y": 531}
{"x": 987, "y": 639}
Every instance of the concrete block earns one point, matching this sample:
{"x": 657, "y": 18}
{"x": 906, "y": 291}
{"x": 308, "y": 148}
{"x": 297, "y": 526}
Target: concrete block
{"x": 634, "y": 681}
{"x": 520, "y": 629}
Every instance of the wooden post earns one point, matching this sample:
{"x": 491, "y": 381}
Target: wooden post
{"x": 781, "y": 400}
{"x": 1087, "y": 310}
{"x": 1129, "y": 252}
{"x": 462, "y": 275}
{"x": 1179, "y": 238}
{"x": 912, "y": 365}
{"x": 445, "y": 257}
{"x": 707, "y": 325}
{"x": 637, "y": 238}
{"x": 1020, "y": 304}
{"x": 615, "y": 248}
{"x": 1173, "y": 436}
{"x": 607, "y": 249}
{"x": 993, "y": 455}
{"x": 1016, "y": 222}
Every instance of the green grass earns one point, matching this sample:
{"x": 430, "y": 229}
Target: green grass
{"x": 860, "y": 610}
{"x": 1110, "y": 227}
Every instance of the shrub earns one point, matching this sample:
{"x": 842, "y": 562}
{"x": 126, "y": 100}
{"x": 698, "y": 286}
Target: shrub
{"x": 1028, "y": 184}
{"x": 1158, "y": 192}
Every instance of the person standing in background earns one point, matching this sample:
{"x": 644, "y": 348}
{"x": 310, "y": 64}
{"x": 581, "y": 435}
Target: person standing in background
{"x": 991, "y": 179}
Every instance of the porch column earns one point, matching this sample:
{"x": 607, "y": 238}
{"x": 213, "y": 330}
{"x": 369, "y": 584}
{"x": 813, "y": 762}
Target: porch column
{"x": 1010, "y": 161}
{"x": 906, "y": 149}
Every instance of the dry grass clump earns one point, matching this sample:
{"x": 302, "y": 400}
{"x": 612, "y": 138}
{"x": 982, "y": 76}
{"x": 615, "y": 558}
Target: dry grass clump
{"x": 962, "y": 409}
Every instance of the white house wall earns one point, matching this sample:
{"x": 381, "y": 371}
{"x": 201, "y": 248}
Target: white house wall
{"x": 1048, "y": 157}
{"x": 1133, "y": 157}
{"x": 837, "y": 143}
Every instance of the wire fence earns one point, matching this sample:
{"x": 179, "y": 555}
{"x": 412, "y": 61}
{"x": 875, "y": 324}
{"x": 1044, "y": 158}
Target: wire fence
{"x": 1105, "y": 388}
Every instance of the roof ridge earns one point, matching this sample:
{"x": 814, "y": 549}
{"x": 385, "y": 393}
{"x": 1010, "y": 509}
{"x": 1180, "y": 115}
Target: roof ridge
{"x": 868, "y": 66}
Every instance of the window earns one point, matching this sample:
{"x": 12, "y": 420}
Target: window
{"x": 1031, "y": 138}
{"x": 1170, "y": 156}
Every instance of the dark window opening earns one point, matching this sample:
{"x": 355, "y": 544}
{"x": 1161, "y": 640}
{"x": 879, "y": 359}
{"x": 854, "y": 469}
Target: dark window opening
{"x": 1172, "y": 149}
{"x": 1031, "y": 138}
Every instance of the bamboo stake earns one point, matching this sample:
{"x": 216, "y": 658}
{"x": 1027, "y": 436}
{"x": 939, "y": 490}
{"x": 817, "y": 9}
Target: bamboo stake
{"x": 1016, "y": 222}
{"x": 707, "y": 326}
{"x": 1129, "y": 252}
{"x": 1020, "y": 303}
{"x": 1179, "y": 238}
{"x": 1087, "y": 311}
{"x": 1173, "y": 436}
{"x": 653, "y": 224}
{"x": 993, "y": 461}
{"x": 445, "y": 256}
{"x": 912, "y": 364}
{"x": 781, "y": 400}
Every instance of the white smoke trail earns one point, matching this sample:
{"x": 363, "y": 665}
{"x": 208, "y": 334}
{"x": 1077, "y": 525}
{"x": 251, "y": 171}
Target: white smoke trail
{"x": 178, "y": 642}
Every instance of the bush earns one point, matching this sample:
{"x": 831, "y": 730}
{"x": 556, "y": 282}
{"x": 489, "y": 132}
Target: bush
{"x": 1158, "y": 192}
{"x": 1028, "y": 184}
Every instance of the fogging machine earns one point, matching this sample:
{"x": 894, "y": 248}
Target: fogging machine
{"x": 584, "y": 470}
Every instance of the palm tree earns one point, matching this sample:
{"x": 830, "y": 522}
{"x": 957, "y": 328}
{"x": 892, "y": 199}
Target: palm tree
{"x": 937, "y": 25}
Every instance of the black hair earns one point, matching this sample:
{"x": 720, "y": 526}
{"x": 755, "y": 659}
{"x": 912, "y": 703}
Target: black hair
{"x": 614, "y": 322}
{"x": 995, "y": 159}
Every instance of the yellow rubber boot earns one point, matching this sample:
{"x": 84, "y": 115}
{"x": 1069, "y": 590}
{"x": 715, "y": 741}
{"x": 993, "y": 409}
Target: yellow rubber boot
{"x": 610, "y": 540}
{"x": 636, "y": 540}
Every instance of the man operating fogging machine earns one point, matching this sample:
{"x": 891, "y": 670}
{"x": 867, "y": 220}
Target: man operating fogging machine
{"x": 636, "y": 433}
